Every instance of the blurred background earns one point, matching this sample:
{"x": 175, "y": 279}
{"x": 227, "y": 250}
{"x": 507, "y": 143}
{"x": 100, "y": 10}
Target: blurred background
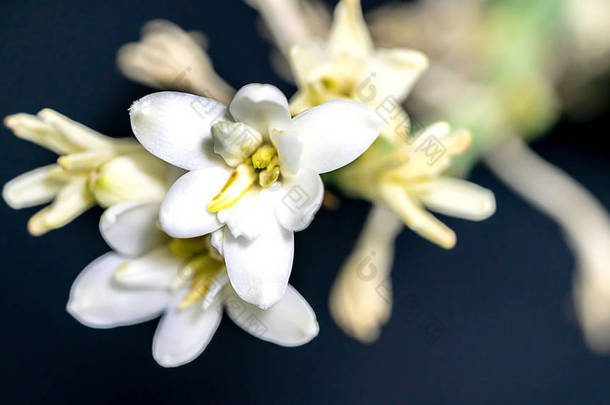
{"x": 487, "y": 322}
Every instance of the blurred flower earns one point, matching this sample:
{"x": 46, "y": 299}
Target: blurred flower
{"x": 258, "y": 175}
{"x": 183, "y": 280}
{"x": 361, "y": 298}
{"x": 407, "y": 179}
{"x": 410, "y": 178}
{"x": 169, "y": 58}
{"x": 505, "y": 69}
{"x": 92, "y": 168}
{"x": 347, "y": 66}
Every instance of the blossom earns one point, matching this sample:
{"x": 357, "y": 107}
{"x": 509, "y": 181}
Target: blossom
{"x": 149, "y": 274}
{"x": 167, "y": 58}
{"x": 255, "y": 170}
{"x": 410, "y": 179}
{"x": 92, "y": 168}
{"x": 347, "y": 66}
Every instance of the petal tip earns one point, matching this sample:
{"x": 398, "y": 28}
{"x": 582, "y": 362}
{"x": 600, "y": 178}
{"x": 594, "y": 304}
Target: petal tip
{"x": 9, "y": 121}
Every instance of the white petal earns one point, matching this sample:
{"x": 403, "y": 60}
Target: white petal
{"x": 252, "y": 213}
{"x": 131, "y": 229}
{"x": 235, "y": 141}
{"x": 155, "y": 270}
{"x": 290, "y": 322}
{"x": 305, "y": 57}
{"x": 80, "y": 136}
{"x": 361, "y": 297}
{"x": 335, "y": 133}
{"x": 289, "y": 149}
{"x": 97, "y": 301}
{"x": 217, "y": 239}
{"x": 183, "y": 334}
{"x": 72, "y": 200}
{"x": 458, "y": 198}
{"x": 395, "y": 71}
{"x": 32, "y": 188}
{"x": 176, "y": 127}
{"x": 301, "y": 199}
{"x": 261, "y": 106}
{"x": 415, "y": 216}
{"x": 136, "y": 176}
{"x": 184, "y": 212}
{"x": 349, "y": 34}
{"x": 259, "y": 269}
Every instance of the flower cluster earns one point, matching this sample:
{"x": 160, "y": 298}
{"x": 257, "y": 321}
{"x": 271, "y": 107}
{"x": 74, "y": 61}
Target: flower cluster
{"x": 203, "y": 204}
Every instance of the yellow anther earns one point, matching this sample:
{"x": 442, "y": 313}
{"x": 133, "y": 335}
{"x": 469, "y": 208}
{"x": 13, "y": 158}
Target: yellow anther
{"x": 263, "y": 156}
{"x": 270, "y": 174}
{"x": 204, "y": 268}
{"x": 240, "y": 181}
{"x": 189, "y": 247}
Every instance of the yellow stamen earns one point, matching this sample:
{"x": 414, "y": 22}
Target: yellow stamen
{"x": 263, "y": 156}
{"x": 240, "y": 181}
{"x": 189, "y": 247}
{"x": 270, "y": 174}
{"x": 204, "y": 268}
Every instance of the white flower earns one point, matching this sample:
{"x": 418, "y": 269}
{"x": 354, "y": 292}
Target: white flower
{"x": 347, "y": 66}
{"x": 92, "y": 168}
{"x": 184, "y": 281}
{"x": 256, "y": 170}
{"x": 412, "y": 178}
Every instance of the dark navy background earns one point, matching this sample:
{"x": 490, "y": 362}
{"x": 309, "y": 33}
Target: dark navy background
{"x": 488, "y": 322}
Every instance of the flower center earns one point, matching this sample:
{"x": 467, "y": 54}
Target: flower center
{"x": 202, "y": 268}
{"x": 341, "y": 86}
{"x": 262, "y": 167}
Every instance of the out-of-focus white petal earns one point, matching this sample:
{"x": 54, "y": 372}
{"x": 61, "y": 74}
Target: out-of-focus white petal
{"x": 130, "y": 228}
{"x": 166, "y": 57}
{"x": 32, "y": 188}
{"x": 176, "y": 127}
{"x": 305, "y": 58}
{"x": 184, "y": 212}
{"x": 302, "y": 197}
{"x": 290, "y": 322}
{"x": 137, "y": 176}
{"x": 394, "y": 72}
{"x": 335, "y": 133}
{"x": 77, "y": 134}
{"x": 97, "y": 301}
{"x": 416, "y": 217}
{"x": 261, "y": 106}
{"x": 71, "y": 201}
{"x": 361, "y": 298}
{"x": 155, "y": 270}
{"x": 349, "y": 34}
{"x": 457, "y": 198}
{"x": 183, "y": 334}
{"x": 32, "y": 128}
{"x": 259, "y": 269}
